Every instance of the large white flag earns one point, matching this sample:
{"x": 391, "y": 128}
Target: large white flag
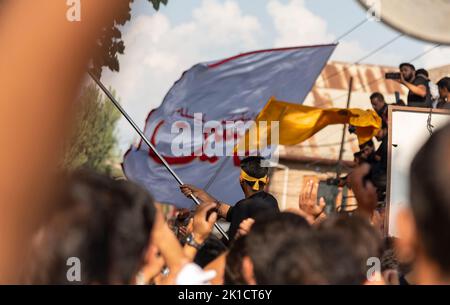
{"x": 230, "y": 90}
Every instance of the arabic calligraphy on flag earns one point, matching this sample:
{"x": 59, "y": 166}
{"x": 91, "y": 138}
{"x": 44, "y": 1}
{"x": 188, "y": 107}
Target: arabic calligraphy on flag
{"x": 205, "y": 105}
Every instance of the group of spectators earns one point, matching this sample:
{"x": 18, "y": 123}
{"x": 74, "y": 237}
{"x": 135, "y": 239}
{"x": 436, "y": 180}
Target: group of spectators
{"x": 422, "y": 93}
{"x": 120, "y": 237}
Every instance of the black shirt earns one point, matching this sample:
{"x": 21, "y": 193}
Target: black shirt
{"x": 250, "y": 207}
{"x": 382, "y": 153}
{"x": 416, "y": 100}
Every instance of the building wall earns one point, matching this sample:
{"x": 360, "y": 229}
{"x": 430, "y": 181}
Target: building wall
{"x": 298, "y": 175}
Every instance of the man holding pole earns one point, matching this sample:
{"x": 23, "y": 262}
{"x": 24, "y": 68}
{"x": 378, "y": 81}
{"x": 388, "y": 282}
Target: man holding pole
{"x": 253, "y": 179}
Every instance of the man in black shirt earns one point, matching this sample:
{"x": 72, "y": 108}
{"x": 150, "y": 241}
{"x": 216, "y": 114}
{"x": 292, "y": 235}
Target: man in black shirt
{"x": 417, "y": 86}
{"x": 253, "y": 179}
{"x": 444, "y": 92}
{"x": 380, "y": 106}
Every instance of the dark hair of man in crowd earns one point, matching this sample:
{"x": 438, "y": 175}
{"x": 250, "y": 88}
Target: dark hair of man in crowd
{"x": 407, "y": 64}
{"x": 210, "y": 250}
{"x": 444, "y": 83}
{"x": 368, "y": 143}
{"x": 423, "y": 72}
{"x": 430, "y": 198}
{"x": 233, "y": 266}
{"x": 253, "y": 167}
{"x": 106, "y": 224}
{"x": 314, "y": 258}
{"x": 266, "y": 234}
{"x": 365, "y": 240}
{"x": 377, "y": 95}
{"x": 389, "y": 257}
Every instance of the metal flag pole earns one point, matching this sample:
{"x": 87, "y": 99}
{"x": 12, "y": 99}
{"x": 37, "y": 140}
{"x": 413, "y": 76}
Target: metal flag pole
{"x": 344, "y": 130}
{"x": 149, "y": 144}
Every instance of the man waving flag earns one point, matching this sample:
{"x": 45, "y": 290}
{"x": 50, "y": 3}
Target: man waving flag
{"x": 192, "y": 129}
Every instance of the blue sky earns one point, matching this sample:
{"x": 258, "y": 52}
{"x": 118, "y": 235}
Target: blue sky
{"x": 160, "y": 46}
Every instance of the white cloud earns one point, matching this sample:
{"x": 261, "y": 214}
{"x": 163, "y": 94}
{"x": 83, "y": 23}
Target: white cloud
{"x": 296, "y": 25}
{"x": 157, "y": 52}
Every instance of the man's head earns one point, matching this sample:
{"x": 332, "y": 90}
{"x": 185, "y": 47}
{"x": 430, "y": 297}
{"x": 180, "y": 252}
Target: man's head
{"x": 314, "y": 258}
{"x": 254, "y": 176}
{"x": 364, "y": 239}
{"x": 423, "y": 73}
{"x": 378, "y": 102}
{"x": 367, "y": 149}
{"x": 426, "y": 230}
{"x": 357, "y": 158}
{"x": 444, "y": 88}
{"x": 233, "y": 267}
{"x": 262, "y": 243}
{"x": 106, "y": 224}
{"x": 409, "y": 71}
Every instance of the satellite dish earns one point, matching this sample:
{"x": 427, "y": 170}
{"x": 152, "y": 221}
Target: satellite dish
{"x": 427, "y": 20}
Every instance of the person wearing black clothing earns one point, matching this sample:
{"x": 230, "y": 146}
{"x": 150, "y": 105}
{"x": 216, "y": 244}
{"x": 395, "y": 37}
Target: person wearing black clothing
{"x": 253, "y": 179}
{"x": 417, "y": 86}
{"x": 444, "y": 93}
{"x": 257, "y": 204}
{"x": 380, "y": 106}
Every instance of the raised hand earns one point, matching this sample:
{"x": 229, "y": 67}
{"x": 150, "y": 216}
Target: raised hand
{"x": 203, "y": 196}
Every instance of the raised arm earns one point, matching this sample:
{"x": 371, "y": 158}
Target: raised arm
{"x": 222, "y": 207}
{"x": 420, "y": 90}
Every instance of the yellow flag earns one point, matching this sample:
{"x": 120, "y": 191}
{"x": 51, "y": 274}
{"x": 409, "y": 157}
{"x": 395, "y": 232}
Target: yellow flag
{"x": 297, "y": 123}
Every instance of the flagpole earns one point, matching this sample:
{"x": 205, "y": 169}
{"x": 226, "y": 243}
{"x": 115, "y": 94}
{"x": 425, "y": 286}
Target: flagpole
{"x": 149, "y": 144}
{"x": 344, "y": 130}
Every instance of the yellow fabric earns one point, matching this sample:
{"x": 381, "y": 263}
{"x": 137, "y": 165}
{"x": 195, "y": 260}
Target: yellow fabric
{"x": 298, "y": 123}
{"x": 257, "y": 181}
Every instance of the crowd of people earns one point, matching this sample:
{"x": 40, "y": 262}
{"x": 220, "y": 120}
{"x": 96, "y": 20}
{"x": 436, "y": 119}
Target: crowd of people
{"x": 422, "y": 93}
{"x": 120, "y": 236}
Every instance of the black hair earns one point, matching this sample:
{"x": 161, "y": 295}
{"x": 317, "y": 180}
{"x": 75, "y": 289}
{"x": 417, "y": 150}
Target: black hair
{"x": 233, "y": 265}
{"x": 407, "y": 64}
{"x": 444, "y": 83}
{"x": 265, "y": 237}
{"x": 423, "y": 72}
{"x": 377, "y": 95}
{"x": 357, "y": 154}
{"x": 365, "y": 240}
{"x": 389, "y": 260}
{"x": 314, "y": 258}
{"x": 368, "y": 143}
{"x": 430, "y": 197}
{"x": 211, "y": 249}
{"x": 253, "y": 167}
{"x": 106, "y": 224}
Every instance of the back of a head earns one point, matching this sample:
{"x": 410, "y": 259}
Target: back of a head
{"x": 430, "y": 197}
{"x": 366, "y": 242}
{"x": 423, "y": 72}
{"x": 233, "y": 266}
{"x": 369, "y": 143}
{"x": 314, "y": 258}
{"x": 106, "y": 224}
{"x": 266, "y": 234}
{"x": 211, "y": 249}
